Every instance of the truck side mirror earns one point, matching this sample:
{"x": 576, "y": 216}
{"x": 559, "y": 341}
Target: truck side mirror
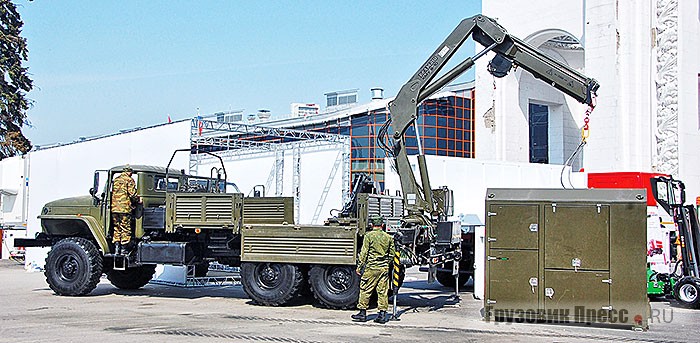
{"x": 93, "y": 190}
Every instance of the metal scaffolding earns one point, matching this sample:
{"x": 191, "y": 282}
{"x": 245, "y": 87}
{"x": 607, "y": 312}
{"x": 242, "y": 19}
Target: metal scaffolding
{"x": 232, "y": 141}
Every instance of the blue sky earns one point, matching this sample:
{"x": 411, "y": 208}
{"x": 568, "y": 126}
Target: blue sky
{"x": 102, "y": 66}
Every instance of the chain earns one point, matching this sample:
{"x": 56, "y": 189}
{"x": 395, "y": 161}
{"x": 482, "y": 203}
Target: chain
{"x": 586, "y": 130}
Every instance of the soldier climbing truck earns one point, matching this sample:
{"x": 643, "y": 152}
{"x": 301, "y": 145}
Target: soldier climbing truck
{"x": 190, "y": 220}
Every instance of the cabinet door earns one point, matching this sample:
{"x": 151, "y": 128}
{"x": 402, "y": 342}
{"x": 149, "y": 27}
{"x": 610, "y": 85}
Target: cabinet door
{"x": 577, "y": 237}
{"x": 583, "y": 295}
{"x": 513, "y": 226}
{"x": 509, "y": 278}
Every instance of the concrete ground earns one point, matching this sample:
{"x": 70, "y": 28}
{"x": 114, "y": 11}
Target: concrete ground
{"x": 30, "y": 312}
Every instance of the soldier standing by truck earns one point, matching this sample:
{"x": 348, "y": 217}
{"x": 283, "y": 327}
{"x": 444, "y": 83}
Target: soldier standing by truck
{"x": 123, "y": 200}
{"x": 373, "y": 268}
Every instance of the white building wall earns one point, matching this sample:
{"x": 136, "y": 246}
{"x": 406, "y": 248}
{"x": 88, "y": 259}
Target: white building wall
{"x": 67, "y": 171}
{"x": 688, "y": 108}
{"x": 618, "y": 54}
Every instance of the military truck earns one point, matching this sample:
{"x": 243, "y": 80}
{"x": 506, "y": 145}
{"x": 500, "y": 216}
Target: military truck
{"x": 190, "y": 220}
{"x": 193, "y": 220}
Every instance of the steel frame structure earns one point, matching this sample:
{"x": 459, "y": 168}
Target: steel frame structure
{"x": 233, "y": 141}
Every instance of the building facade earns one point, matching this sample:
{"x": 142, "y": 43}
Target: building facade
{"x": 445, "y": 124}
{"x": 646, "y": 57}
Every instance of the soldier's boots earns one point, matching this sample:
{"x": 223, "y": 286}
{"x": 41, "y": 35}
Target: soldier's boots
{"x": 381, "y": 318}
{"x": 360, "y": 316}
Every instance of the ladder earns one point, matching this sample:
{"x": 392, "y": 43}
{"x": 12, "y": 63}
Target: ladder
{"x": 327, "y": 187}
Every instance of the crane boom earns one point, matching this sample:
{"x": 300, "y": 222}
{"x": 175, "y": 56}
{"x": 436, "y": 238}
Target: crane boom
{"x": 403, "y": 110}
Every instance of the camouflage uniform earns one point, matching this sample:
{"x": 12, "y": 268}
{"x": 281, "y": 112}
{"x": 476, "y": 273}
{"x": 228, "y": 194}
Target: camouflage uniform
{"x": 123, "y": 196}
{"x": 375, "y": 257}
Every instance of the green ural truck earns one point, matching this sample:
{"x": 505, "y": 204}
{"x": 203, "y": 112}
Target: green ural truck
{"x": 186, "y": 220}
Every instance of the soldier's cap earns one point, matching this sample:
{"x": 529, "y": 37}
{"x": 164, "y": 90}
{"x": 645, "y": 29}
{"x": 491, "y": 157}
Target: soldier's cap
{"x": 376, "y": 220}
{"x": 127, "y": 168}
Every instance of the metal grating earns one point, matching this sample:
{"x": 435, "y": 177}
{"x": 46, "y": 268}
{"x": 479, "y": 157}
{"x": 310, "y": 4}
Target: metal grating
{"x": 262, "y": 212}
{"x": 188, "y": 208}
{"x": 218, "y": 209}
{"x": 386, "y": 206}
{"x": 298, "y": 246}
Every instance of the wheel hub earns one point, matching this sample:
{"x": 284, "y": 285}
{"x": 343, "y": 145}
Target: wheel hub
{"x": 688, "y": 293}
{"x": 268, "y": 276}
{"x": 68, "y": 267}
{"x": 339, "y": 279}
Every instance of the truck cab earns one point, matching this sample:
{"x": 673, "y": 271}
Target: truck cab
{"x": 89, "y": 216}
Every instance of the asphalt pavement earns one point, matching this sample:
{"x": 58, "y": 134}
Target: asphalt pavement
{"x": 31, "y": 312}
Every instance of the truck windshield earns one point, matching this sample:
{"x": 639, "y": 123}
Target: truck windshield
{"x": 161, "y": 185}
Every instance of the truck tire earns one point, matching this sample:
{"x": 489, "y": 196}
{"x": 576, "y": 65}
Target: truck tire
{"x": 132, "y": 278}
{"x": 448, "y": 280}
{"x": 73, "y": 267}
{"x": 271, "y": 284}
{"x": 336, "y": 287}
{"x": 687, "y": 292}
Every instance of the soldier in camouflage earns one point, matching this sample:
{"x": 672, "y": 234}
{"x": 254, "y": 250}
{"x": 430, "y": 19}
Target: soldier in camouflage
{"x": 124, "y": 199}
{"x": 373, "y": 267}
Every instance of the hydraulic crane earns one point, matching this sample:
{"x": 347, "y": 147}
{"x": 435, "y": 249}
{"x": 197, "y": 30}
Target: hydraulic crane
{"x": 425, "y": 233}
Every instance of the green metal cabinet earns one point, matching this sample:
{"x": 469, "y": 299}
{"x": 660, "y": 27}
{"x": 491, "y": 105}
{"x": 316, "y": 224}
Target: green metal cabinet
{"x": 577, "y": 293}
{"x": 511, "y": 272}
{"x": 577, "y": 235}
{"x": 514, "y": 227}
{"x": 566, "y": 255}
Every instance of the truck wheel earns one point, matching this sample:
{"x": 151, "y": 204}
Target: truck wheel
{"x": 132, "y": 278}
{"x": 687, "y": 292}
{"x": 448, "y": 280}
{"x": 73, "y": 267}
{"x": 336, "y": 287}
{"x": 271, "y": 284}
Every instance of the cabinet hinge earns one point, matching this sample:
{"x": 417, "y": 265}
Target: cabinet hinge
{"x": 554, "y": 207}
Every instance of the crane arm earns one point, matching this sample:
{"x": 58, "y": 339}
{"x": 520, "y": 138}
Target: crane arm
{"x": 509, "y": 51}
